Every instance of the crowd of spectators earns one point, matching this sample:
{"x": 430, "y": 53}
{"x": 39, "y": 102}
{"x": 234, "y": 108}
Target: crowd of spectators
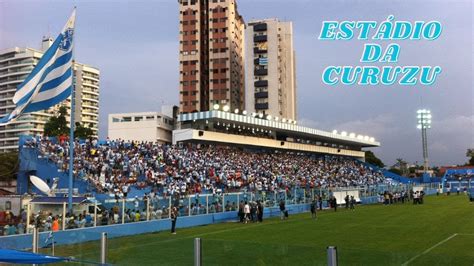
{"x": 115, "y": 166}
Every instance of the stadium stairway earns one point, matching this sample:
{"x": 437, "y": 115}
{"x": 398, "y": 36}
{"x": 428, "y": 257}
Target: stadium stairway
{"x": 32, "y": 163}
{"x": 392, "y": 175}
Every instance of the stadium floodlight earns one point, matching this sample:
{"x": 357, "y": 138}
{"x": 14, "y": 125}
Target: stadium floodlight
{"x": 366, "y": 138}
{"x": 334, "y": 131}
{"x": 226, "y": 108}
{"x": 276, "y": 118}
{"x": 260, "y": 115}
{"x": 290, "y": 121}
{"x": 360, "y": 137}
{"x": 269, "y": 117}
{"x": 283, "y": 120}
{"x": 424, "y": 122}
{"x": 294, "y": 122}
{"x": 236, "y": 111}
{"x": 344, "y": 133}
{"x": 216, "y": 106}
{"x": 254, "y": 114}
{"x": 244, "y": 112}
{"x": 372, "y": 140}
{"x": 352, "y": 135}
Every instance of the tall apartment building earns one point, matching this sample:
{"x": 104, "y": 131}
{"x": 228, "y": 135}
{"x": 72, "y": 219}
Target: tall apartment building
{"x": 270, "y": 68}
{"x": 15, "y": 65}
{"x": 211, "y": 55}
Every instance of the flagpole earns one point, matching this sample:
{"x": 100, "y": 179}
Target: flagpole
{"x": 71, "y": 126}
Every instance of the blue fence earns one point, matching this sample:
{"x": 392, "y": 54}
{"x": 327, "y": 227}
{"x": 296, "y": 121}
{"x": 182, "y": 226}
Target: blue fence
{"x": 74, "y": 236}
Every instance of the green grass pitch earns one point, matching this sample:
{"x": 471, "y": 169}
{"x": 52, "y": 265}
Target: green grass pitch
{"x": 439, "y": 232}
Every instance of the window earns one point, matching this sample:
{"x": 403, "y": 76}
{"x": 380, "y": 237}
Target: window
{"x": 138, "y": 118}
{"x": 115, "y": 120}
{"x": 150, "y": 117}
{"x": 127, "y": 119}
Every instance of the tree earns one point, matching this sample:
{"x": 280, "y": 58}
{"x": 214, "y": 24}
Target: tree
{"x": 372, "y": 159}
{"x": 57, "y": 125}
{"x": 8, "y": 166}
{"x": 82, "y": 132}
{"x": 470, "y": 153}
{"x": 403, "y": 166}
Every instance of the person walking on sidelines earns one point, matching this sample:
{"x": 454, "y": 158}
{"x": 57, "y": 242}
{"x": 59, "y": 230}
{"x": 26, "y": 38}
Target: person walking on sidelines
{"x": 320, "y": 201}
{"x": 282, "y": 210}
{"x": 241, "y": 211}
{"x": 313, "y": 209}
{"x": 174, "y": 217}
{"x": 260, "y": 211}
{"x": 246, "y": 212}
{"x": 352, "y": 202}
{"x": 334, "y": 203}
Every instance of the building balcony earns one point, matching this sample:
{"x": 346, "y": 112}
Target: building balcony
{"x": 262, "y": 94}
{"x": 261, "y": 83}
{"x": 261, "y": 106}
{"x": 260, "y": 72}
{"x": 260, "y": 38}
{"x": 260, "y": 27}
{"x": 259, "y": 51}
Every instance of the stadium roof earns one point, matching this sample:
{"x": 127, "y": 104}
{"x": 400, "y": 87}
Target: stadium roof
{"x": 289, "y": 127}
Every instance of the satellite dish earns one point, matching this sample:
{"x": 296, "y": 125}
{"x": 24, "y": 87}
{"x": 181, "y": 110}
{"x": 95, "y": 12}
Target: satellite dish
{"x": 40, "y": 184}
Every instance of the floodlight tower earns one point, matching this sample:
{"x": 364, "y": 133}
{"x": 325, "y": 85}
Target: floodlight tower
{"x": 424, "y": 123}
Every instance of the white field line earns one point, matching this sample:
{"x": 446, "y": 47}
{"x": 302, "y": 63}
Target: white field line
{"x": 430, "y": 249}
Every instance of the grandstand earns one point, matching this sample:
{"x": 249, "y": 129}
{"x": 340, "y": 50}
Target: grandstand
{"x": 218, "y": 161}
{"x": 267, "y": 132}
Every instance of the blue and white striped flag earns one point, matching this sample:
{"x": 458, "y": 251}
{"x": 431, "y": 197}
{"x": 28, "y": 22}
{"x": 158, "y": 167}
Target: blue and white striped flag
{"x": 50, "y": 82}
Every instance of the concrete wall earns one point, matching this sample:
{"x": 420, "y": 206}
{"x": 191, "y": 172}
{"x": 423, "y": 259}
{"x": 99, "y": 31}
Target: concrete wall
{"x": 147, "y": 129}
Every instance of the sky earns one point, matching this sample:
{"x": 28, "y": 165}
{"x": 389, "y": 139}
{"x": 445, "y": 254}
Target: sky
{"x": 135, "y": 46}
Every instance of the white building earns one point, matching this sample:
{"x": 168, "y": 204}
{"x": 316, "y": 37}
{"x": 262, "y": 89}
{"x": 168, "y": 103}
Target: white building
{"x": 15, "y": 65}
{"x": 145, "y": 126}
{"x": 270, "y": 84}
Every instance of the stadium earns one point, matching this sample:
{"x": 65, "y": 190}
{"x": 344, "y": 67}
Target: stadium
{"x": 239, "y": 183}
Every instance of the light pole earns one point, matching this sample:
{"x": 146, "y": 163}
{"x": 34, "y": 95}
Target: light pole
{"x": 424, "y": 123}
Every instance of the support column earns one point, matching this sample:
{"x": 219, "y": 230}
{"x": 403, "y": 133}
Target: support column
{"x": 123, "y": 211}
{"x": 103, "y": 249}
{"x": 64, "y": 216}
{"x": 197, "y": 252}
